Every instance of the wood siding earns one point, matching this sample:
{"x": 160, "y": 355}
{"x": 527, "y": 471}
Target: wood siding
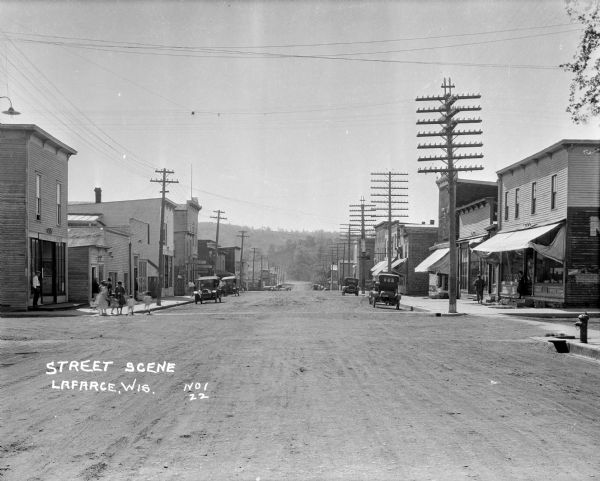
{"x": 14, "y": 276}
{"x": 540, "y": 172}
{"x": 79, "y": 274}
{"x": 584, "y": 177}
{"x": 473, "y": 222}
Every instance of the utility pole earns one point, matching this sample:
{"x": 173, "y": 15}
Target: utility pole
{"x": 219, "y": 219}
{"x": 391, "y": 180}
{"x": 350, "y": 234}
{"x": 161, "y": 241}
{"x": 243, "y": 236}
{"x": 253, "y": 259}
{"x": 362, "y": 254}
{"x": 447, "y": 110}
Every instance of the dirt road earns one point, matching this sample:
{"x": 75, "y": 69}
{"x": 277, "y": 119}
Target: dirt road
{"x": 299, "y": 385}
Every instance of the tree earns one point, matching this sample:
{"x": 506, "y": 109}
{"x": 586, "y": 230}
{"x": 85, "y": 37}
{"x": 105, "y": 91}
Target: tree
{"x": 584, "y": 92}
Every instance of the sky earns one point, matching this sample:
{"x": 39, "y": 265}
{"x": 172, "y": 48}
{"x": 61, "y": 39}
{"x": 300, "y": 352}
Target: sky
{"x": 277, "y": 113}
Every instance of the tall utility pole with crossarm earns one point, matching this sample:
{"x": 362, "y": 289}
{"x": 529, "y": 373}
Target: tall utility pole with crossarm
{"x": 390, "y": 202}
{"x": 364, "y": 214}
{"x": 219, "y": 218}
{"x": 243, "y": 236}
{"x": 448, "y": 122}
{"x": 161, "y": 260}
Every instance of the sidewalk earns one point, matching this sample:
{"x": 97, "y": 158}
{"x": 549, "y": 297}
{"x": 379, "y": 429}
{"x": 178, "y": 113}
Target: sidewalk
{"x": 69, "y": 311}
{"x": 559, "y": 322}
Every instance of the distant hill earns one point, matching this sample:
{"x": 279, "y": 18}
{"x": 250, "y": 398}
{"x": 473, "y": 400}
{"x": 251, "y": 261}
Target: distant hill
{"x": 301, "y": 255}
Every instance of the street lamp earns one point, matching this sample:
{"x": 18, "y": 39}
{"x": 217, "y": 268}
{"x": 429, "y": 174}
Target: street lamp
{"x": 11, "y": 110}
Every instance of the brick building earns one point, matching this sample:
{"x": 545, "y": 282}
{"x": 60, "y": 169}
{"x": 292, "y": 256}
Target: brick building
{"x": 437, "y": 263}
{"x": 33, "y": 215}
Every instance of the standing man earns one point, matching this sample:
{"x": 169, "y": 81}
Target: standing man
{"x": 479, "y": 285}
{"x": 37, "y": 288}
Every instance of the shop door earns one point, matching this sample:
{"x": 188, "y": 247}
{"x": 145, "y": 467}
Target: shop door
{"x": 48, "y": 295}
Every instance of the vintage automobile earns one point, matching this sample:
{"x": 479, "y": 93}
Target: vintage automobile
{"x": 385, "y": 290}
{"x": 230, "y": 286}
{"x": 350, "y": 286}
{"x": 207, "y": 288}
{"x": 283, "y": 287}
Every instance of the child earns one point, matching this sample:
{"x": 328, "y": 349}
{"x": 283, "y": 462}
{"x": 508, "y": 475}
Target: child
{"x": 147, "y": 301}
{"x": 130, "y": 304}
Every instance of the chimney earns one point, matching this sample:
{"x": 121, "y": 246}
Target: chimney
{"x": 98, "y": 192}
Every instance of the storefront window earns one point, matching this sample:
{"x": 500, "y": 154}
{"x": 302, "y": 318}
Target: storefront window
{"x": 548, "y": 271}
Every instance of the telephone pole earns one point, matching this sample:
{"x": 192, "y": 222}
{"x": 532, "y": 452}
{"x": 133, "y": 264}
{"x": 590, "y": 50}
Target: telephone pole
{"x": 391, "y": 186}
{"x": 243, "y": 236}
{"x": 253, "y": 259}
{"x": 161, "y": 260}
{"x": 358, "y": 211}
{"x": 448, "y": 121}
{"x": 219, "y": 219}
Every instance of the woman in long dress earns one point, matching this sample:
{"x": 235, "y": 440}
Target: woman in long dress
{"x": 103, "y": 299}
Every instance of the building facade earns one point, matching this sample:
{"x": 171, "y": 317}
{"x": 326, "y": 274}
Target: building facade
{"x": 414, "y": 241}
{"x": 548, "y": 226}
{"x": 33, "y": 215}
{"x": 186, "y": 245}
{"x": 140, "y": 218}
{"x": 475, "y": 221}
{"x": 437, "y": 264}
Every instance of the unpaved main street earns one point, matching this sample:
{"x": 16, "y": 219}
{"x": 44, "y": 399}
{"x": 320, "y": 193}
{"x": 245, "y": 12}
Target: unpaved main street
{"x": 298, "y": 385}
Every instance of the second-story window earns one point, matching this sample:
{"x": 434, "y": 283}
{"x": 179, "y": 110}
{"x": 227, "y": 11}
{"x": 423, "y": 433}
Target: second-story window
{"x": 506, "y": 206}
{"x": 38, "y": 197}
{"x": 553, "y": 192}
{"x": 516, "y": 203}
{"x": 533, "y": 196}
{"x": 58, "y": 204}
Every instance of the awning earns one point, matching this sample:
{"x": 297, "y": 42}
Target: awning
{"x": 436, "y": 262}
{"x": 514, "y": 241}
{"x": 397, "y": 262}
{"x": 377, "y": 268}
{"x": 556, "y": 250}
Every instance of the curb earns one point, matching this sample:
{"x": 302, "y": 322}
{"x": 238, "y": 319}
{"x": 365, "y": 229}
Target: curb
{"x": 572, "y": 346}
{"x": 77, "y": 313}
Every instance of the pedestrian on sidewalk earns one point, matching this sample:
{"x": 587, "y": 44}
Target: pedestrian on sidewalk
{"x": 120, "y": 297}
{"x": 37, "y": 288}
{"x": 102, "y": 299}
{"x": 479, "y": 285}
{"x": 130, "y": 304}
{"x": 147, "y": 301}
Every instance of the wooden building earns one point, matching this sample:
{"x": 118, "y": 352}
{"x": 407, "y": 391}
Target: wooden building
{"x": 140, "y": 218}
{"x": 33, "y": 215}
{"x": 548, "y": 226}
{"x": 186, "y": 245}
{"x": 475, "y": 222}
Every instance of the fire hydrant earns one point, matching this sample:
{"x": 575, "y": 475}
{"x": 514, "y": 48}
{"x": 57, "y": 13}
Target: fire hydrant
{"x": 582, "y": 325}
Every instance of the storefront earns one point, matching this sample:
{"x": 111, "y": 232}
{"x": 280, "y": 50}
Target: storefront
{"x": 438, "y": 267}
{"x": 529, "y": 263}
{"x": 49, "y": 258}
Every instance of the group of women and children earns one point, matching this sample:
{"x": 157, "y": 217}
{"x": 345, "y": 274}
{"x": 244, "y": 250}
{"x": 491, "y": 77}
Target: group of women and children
{"x": 117, "y": 299}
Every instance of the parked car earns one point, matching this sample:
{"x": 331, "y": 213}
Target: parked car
{"x": 350, "y": 286}
{"x": 208, "y": 288}
{"x": 385, "y": 290}
{"x": 230, "y": 286}
{"x": 284, "y": 287}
